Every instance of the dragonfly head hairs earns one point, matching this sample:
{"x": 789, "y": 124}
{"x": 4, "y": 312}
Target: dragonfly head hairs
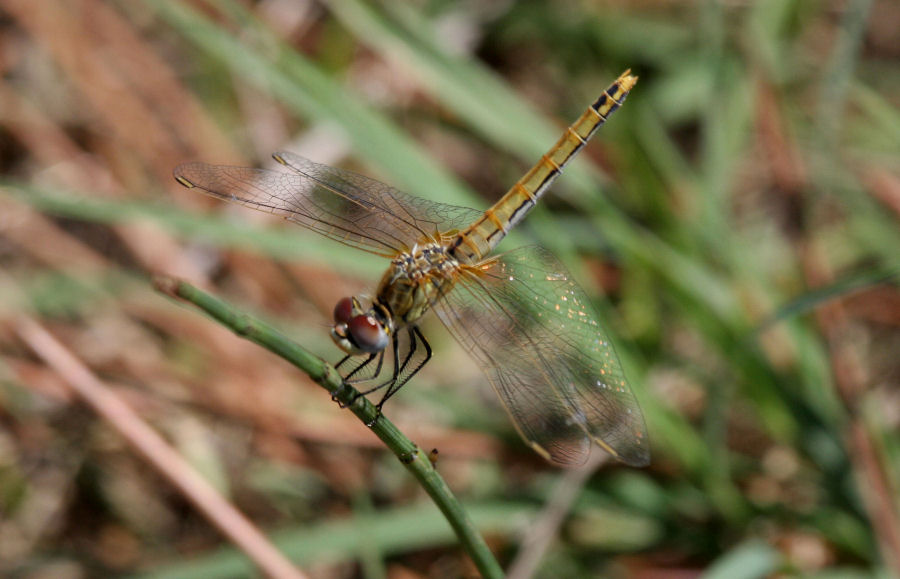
{"x": 519, "y": 314}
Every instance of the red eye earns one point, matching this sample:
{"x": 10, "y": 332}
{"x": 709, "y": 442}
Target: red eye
{"x": 368, "y": 334}
{"x": 343, "y": 311}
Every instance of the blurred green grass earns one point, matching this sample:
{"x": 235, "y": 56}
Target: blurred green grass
{"x": 722, "y": 211}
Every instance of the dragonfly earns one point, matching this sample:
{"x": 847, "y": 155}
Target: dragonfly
{"x": 523, "y": 319}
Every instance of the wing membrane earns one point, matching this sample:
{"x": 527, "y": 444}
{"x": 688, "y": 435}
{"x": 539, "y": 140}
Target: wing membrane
{"x": 338, "y": 204}
{"x": 530, "y": 327}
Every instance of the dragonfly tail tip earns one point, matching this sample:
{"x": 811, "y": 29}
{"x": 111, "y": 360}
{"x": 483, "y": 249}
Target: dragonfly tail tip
{"x": 627, "y": 80}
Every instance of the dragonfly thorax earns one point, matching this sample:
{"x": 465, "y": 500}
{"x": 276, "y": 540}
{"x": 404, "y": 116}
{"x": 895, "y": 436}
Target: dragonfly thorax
{"x": 415, "y": 280}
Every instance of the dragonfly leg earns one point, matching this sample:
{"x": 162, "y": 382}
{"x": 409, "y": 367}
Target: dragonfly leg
{"x": 375, "y": 375}
{"x": 399, "y": 380}
{"x": 363, "y": 364}
{"x": 396, "y": 353}
{"x": 334, "y": 393}
{"x": 341, "y": 363}
{"x": 402, "y": 373}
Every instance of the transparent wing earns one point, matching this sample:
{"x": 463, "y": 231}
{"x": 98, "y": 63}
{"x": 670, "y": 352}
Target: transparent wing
{"x": 338, "y": 204}
{"x": 530, "y": 327}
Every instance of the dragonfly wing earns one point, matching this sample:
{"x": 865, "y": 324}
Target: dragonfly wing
{"x": 531, "y": 328}
{"x": 422, "y": 214}
{"x": 341, "y": 205}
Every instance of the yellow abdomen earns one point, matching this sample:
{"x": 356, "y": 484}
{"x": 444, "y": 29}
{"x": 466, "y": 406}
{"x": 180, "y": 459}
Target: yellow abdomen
{"x": 477, "y": 241}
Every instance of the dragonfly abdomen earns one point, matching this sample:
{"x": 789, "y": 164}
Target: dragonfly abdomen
{"x": 477, "y": 241}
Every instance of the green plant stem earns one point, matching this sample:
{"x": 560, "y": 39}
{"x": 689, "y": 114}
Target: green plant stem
{"x": 326, "y": 376}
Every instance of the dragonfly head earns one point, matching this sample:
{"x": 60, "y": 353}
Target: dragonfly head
{"x": 358, "y": 330}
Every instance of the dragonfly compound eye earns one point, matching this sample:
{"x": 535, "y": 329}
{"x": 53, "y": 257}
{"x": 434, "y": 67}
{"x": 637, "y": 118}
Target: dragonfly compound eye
{"x": 368, "y": 333}
{"x": 343, "y": 311}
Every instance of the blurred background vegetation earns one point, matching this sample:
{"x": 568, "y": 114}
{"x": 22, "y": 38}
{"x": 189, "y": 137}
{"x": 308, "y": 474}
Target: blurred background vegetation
{"x": 737, "y": 221}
